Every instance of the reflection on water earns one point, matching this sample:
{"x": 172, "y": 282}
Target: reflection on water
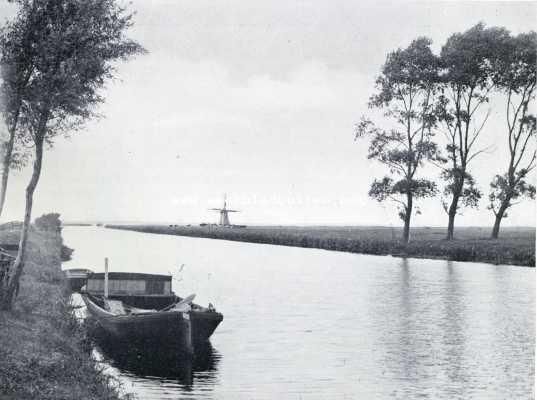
{"x": 158, "y": 362}
{"x": 444, "y": 334}
{"x": 312, "y": 324}
{"x": 424, "y": 342}
{"x": 140, "y": 367}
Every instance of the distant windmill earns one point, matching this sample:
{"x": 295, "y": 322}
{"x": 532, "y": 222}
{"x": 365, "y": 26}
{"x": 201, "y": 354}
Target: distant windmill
{"x": 224, "y": 218}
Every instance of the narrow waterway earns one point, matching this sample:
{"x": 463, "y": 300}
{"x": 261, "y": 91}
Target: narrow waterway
{"x": 314, "y": 324}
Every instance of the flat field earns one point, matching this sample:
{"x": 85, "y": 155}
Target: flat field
{"x": 515, "y": 245}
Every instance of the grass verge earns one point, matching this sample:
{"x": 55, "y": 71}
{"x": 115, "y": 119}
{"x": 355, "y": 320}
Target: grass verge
{"x": 44, "y": 351}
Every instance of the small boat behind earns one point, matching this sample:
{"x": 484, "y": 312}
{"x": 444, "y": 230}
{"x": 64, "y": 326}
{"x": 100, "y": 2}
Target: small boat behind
{"x": 142, "y": 308}
{"x": 76, "y": 277}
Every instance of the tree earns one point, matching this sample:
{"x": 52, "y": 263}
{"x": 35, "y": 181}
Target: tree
{"x": 74, "y": 43}
{"x": 468, "y": 63}
{"x": 16, "y": 68}
{"x": 516, "y": 76}
{"x": 406, "y": 88}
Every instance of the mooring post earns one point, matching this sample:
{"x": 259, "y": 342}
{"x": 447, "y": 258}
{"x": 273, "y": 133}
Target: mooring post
{"x": 106, "y": 277}
{"x": 188, "y": 346}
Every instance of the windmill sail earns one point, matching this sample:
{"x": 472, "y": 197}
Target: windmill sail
{"x": 224, "y": 217}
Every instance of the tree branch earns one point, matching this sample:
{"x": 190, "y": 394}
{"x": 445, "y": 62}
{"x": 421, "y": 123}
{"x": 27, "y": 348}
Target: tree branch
{"x": 396, "y": 200}
{"x": 478, "y": 131}
{"x": 485, "y": 150}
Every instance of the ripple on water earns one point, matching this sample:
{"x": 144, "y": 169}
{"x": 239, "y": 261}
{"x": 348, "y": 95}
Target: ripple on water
{"x": 312, "y": 324}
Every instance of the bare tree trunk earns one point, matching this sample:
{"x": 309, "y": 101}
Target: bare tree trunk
{"x": 452, "y": 212}
{"x": 7, "y": 300}
{"x": 498, "y": 218}
{"x": 496, "y": 227}
{"x": 408, "y": 215}
{"x": 6, "y": 163}
{"x": 451, "y": 220}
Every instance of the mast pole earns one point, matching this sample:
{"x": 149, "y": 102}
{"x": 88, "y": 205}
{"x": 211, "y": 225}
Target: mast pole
{"x": 106, "y": 277}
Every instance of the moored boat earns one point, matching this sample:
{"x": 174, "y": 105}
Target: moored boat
{"x": 142, "y": 307}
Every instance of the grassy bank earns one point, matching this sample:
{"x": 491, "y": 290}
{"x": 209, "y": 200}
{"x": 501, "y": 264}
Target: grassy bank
{"x": 44, "y": 352}
{"x": 516, "y": 246}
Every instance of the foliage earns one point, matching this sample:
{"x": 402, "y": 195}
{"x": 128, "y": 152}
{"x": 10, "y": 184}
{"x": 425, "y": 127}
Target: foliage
{"x": 386, "y": 188}
{"x": 419, "y": 93}
{"x": 468, "y": 62}
{"x": 71, "y": 47}
{"x": 405, "y": 92}
{"x": 515, "y": 69}
{"x": 49, "y": 222}
{"x": 469, "y": 58}
{"x": 516, "y": 76}
{"x": 503, "y": 192}
{"x": 470, "y": 193}
{"x": 20, "y": 157}
{"x": 16, "y": 71}
{"x": 407, "y": 72}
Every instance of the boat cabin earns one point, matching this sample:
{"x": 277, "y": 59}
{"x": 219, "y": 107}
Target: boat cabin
{"x": 131, "y": 283}
{"x": 136, "y": 289}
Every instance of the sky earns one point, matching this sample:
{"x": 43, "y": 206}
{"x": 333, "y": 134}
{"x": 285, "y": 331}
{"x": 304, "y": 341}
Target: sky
{"x": 256, "y": 100}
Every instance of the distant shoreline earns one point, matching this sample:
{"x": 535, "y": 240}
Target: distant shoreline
{"x": 76, "y": 224}
{"x": 515, "y": 247}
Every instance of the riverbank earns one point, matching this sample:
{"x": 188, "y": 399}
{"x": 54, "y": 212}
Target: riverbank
{"x": 516, "y": 246}
{"x": 44, "y": 351}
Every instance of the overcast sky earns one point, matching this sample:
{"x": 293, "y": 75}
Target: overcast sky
{"x": 256, "y": 99}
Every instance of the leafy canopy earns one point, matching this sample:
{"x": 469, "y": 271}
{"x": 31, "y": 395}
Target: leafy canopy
{"x": 70, "y": 52}
{"x": 405, "y": 92}
{"x": 516, "y": 76}
{"x": 468, "y": 63}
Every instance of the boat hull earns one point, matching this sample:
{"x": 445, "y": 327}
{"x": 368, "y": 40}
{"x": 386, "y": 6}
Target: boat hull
{"x": 170, "y": 328}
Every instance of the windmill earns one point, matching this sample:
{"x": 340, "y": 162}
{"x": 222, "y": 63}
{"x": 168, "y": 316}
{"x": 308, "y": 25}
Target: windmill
{"x": 224, "y": 218}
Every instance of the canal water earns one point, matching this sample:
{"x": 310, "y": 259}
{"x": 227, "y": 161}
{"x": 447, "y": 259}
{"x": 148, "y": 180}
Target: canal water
{"x": 314, "y": 324}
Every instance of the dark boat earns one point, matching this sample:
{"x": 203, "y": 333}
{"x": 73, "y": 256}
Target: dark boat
{"x": 142, "y": 308}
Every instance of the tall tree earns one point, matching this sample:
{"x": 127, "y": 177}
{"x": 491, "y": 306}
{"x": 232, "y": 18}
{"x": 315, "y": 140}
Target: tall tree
{"x": 467, "y": 61}
{"x": 405, "y": 93}
{"x": 16, "y": 69}
{"x": 74, "y": 43}
{"x": 516, "y": 76}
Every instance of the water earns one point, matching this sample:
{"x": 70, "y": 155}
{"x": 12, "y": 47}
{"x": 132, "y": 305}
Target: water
{"x": 313, "y": 324}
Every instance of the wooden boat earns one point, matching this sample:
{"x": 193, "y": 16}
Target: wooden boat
{"x": 142, "y": 308}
